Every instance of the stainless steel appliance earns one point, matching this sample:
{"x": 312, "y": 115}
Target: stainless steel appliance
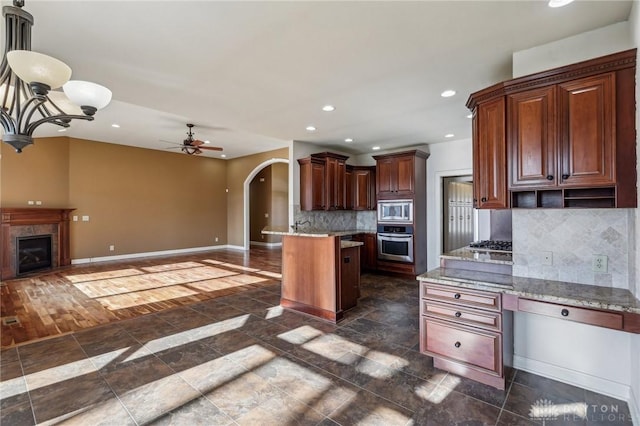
{"x": 395, "y": 242}
{"x": 491, "y": 245}
{"x": 395, "y": 211}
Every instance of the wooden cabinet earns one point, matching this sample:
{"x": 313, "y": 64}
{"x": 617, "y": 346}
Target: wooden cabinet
{"x": 489, "y": 155}
{"x": 363, "y": 187}
{"x": 349, "y": 188}
{"x": 398, "y": 173}
{"x": 323, "y": 182}
{"x": 349, "y": 277}
{"x": 570, "y": 137}
{"x": 368, "y": 251}
{"x": 312, "y": 184}
{"x": 462, "y": 330}
{"x": 587, "y": 132}
{"x": 532, "y": 138}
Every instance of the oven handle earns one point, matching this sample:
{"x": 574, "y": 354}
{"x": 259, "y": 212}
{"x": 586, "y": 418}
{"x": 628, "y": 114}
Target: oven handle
{"x": 406, "y": 236}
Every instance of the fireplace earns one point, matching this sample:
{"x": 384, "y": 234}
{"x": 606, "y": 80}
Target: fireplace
{"x": 34, "y": 253}
{"x": 20, "y": 222}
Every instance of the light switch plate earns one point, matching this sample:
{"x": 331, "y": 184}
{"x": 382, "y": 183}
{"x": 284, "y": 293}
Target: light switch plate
{"x": 546, "y": 258}
{"x": 85, "y": 218}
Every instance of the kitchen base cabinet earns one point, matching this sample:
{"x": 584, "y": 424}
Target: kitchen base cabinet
{"x": 463, "y": 331}
{"x": 368, "y": 251}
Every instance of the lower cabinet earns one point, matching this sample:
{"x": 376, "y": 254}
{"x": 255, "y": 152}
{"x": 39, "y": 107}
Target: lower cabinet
{"x": 463, "y": 331}
{"x": 368, "y": 252}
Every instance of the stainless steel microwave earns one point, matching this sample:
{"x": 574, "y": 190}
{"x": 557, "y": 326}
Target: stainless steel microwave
{"x": 395, "y": 211}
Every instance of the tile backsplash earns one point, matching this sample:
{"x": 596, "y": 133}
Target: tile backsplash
{"x": 337, "y": 220}
{"x": 574, "y": 237}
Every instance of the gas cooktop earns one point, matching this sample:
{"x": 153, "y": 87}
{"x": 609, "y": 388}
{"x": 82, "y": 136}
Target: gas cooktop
{"x": 491, "y": 245}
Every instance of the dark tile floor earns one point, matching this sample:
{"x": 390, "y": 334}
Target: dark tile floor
{"x": 243, "y": 360}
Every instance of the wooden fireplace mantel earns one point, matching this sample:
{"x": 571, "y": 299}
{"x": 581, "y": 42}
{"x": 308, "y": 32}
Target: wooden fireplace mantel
{"x": 25, "y": 216}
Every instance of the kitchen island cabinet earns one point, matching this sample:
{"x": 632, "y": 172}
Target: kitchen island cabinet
{"x": 320, "y": 273}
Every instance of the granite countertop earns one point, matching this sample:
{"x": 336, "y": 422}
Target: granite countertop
{"x": 475, "y": 255}
{"x": 567, "y": 293}
{"x": 310, "y": 232}
{"x": 349, "y": 244}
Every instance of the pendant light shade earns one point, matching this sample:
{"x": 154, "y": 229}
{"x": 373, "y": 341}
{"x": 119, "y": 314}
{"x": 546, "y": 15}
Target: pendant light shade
{"x": 87, "y": 94}
{"x": 60, "y": 100}
{"x": 35, "y": 67}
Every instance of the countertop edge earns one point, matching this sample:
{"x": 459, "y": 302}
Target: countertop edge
{"x": 533, "y": 295}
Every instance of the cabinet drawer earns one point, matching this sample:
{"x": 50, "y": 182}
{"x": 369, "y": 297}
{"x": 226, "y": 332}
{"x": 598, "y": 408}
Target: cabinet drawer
{"x": 463, "y": 344}
{"x": 463, "y": 315}
{"x": 587, "y": 316}
{"x": 462, "y": 296}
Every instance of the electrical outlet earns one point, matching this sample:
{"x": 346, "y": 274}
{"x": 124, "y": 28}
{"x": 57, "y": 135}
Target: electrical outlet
{"x": 112, "y": 248}
{"x": 38, "y": 203}
{"x": 30, "y": 202}
{"x": 600, "y": 263}
{"x": 266, "y": 215}
{"x": 216, "y": 239}
{"x": 547, "y": 257}
{"x": 75, "y": 218}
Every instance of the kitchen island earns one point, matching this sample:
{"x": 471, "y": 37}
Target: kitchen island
{"x": 320, "y": 271}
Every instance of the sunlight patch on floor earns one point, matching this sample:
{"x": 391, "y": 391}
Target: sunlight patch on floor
{"x": 137, "y": 298}
{"x": 300, "y": 335}
{"x": 437, "y": 394}
{"x": 59, "y": 373}
{"x": 171, "y": 266}
{"x": 275, "y": 275}
{"x": 117, "y": 273}
{"x": 241, "y": 267}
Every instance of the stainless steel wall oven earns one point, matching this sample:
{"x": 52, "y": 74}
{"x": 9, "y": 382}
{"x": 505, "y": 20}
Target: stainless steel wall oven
{"x": 395, "y": 242}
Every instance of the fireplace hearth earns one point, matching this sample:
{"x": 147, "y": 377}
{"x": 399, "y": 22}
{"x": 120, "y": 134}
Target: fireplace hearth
{"x": 34, "y": 253}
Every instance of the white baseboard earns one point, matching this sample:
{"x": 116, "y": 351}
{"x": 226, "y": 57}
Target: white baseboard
{"x": 263, "y": 244}
{"x": 230, "y": 247}
{"x": 147, "y": 254}
{"x": 578, "y": 378}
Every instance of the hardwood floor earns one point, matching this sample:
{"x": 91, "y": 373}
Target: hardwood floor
{"x": 82, "y": 296}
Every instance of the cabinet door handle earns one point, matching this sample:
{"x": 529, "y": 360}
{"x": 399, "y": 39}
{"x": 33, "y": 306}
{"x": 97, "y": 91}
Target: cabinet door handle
{"x": 458, "y": 314}
{"x": 564, "y": 312}
{"x": 564, "y": 177}
{"x": 456, "y": 296}
{"x": 457, "y": 344}
{"x": 549, "y": 177}
{"x": 483, "y": 199}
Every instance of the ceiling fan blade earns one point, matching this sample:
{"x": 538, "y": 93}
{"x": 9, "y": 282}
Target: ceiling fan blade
{"x": 210, "y": 148}
{"x": 172, "y": 143}
{"x": 196, "y": 142}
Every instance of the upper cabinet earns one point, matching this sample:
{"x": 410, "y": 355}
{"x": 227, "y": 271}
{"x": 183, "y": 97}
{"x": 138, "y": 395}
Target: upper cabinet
{"x": 489, "y": 147}
{"x": 323, "y": 182}
{"x": 362, "y": 188}
{"x": 569, "y": 136}
{"x": 396, "y": 174}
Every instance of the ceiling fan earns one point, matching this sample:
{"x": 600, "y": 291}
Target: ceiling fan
{"x": 191, "y": 145}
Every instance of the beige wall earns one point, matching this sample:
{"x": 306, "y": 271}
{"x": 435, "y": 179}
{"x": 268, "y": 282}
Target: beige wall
{"x": 138, "y": 200}
{"x": 40, "y": 173}
{"x": 238, "y": 170}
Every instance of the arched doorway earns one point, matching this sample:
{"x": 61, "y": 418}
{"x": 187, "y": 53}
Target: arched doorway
{"x": 246, "y": 193}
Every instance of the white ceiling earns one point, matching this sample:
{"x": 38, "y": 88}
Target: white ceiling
{"x": 253, "y": 75}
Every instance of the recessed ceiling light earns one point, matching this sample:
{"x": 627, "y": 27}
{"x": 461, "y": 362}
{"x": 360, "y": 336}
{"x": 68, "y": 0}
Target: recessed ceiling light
{"x": 62, "y": 130}
{"x": 328, "y": 108}
{"x": 311, "y": 129}
{"x": 207, "y": 141}
{"x": 448, "y": 93}
{"x": 117, "y": 126}
{"x": 223, "y": 155}
{"x": 470, "y": 116}
{"x": 559, "y": 3}
{"x": 375, "y": 148}
{"x": 348, "y": 140}
{"x": 449, "y": 135}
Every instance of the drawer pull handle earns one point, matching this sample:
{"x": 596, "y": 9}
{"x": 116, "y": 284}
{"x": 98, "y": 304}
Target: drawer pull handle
{"x": 456, "y": 296}
{"x": 457, "y": 344}
{"x": 458, "y": 314}
{"x": 564, "y": 312}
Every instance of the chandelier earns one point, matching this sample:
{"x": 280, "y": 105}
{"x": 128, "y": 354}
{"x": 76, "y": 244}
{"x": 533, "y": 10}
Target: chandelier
{"x": 28, "y": 81}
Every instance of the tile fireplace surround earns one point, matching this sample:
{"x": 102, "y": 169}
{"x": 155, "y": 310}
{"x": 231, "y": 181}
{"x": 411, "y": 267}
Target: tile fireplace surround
{"x": 23, "y": 222}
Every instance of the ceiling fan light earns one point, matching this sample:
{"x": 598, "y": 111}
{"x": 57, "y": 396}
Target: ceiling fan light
{"x": 87, "y": 94}
{"x": 35, "y": 67}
